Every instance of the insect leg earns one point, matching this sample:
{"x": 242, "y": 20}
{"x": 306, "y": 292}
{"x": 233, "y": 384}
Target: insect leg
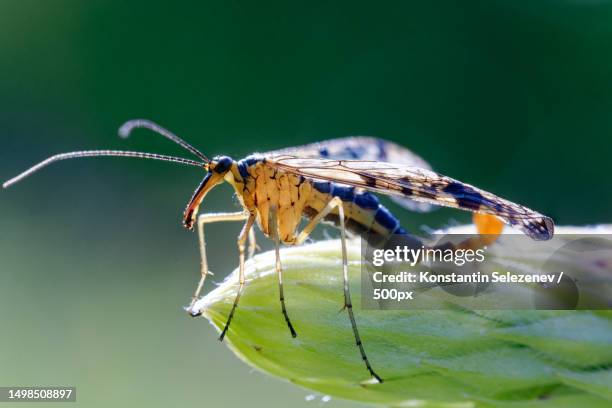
{"x": 279, "y": 268}
{"x": 241, "y": 241}
{"x": 347, "y": 293}
{"x": 336, "y": 202}
{"x": 303, "y": 235}
{"x": 252, "y": 244}
{"x": 205, "y": 219}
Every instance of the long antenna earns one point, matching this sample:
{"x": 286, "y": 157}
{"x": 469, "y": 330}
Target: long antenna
{"x": 94, "y": 153}
{"x": 127, "y": 127}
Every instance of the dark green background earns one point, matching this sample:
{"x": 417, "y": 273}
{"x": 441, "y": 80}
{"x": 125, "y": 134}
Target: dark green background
{"x": 513, "y": 97}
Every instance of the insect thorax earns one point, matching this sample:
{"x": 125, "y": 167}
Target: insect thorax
{"x": 261, "y": 188}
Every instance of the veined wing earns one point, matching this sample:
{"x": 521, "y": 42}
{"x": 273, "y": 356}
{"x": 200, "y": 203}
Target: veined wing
{"x": 418, "y": 184}
{"x": 363, "y": 148}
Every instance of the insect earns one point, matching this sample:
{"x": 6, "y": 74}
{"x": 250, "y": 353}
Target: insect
{"x": 331, "y": 181}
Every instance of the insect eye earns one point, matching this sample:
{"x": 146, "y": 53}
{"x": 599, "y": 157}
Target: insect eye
{"x": 223, "y": 164}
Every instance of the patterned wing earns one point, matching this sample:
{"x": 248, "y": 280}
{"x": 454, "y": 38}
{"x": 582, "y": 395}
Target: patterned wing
{"x": 418, "y": 184}
{"x": 364, "y": 148}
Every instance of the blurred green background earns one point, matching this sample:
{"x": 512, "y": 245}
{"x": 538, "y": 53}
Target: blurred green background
{"x": 514, "y": 97}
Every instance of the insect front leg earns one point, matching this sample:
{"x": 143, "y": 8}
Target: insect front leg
{"x": 241, "y": 249}
{"x": 336, "y": 202}
{"x": 206, "y": 219}
{"x": 279, "y": 268}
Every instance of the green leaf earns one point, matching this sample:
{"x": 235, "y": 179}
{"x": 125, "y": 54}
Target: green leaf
{"x": 428, "y": 358}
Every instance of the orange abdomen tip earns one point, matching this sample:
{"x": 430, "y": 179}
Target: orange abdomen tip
{"x": 488, "y": 225}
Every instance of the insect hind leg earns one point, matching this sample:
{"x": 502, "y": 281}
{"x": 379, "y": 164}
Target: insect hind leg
{"x": 336, "y": 202}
